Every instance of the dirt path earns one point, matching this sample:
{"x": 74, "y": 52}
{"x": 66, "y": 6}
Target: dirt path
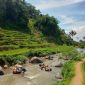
{"x": 78, "y": 79}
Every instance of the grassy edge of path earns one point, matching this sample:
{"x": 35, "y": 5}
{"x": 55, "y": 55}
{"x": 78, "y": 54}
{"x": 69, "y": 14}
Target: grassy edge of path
{"x": 83, "y": 70}
{"x": 68, "y": 72}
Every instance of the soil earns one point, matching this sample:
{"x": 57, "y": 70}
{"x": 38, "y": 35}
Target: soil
{"x": 78, "y": 78}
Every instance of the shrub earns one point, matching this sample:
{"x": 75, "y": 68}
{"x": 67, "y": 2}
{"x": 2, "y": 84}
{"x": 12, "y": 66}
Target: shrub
{"x": 11, "y": 60}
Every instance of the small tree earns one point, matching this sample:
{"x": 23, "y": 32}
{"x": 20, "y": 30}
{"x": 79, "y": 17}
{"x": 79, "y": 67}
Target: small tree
{"x": 72, "y": 33}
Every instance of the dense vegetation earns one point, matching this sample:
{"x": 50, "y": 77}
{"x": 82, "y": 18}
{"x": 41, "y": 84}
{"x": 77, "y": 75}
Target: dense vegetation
{"x": 21, "y": 16}
{"x": 82, "y": 43}
{"x": 13, "y": 55}
{"x": 23, "y": 29}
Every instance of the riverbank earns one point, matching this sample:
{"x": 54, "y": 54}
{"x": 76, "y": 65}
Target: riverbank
{"x": 36, "y": 76}
{"x": 71, "y": 69}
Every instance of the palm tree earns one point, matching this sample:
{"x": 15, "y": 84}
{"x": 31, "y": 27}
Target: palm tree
{"x": 72, "y": 33}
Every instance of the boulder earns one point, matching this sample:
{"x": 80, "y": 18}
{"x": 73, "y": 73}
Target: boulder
{"x": 60, "y": 64}
{"x": 1, "y": 71}
{"x": 35, "y": 60}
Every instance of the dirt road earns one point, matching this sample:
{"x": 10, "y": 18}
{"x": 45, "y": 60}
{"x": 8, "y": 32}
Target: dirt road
{"x": 78, "y": 79}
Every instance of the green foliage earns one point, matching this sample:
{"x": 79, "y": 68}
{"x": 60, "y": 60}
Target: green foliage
{"x": 39, "y": 52}
{"x": 49, "y": 27}
{"x": 12, "y": 59}
{"x": 82, "y": 44}
{"x": 10, "y": 39}
{"x": 72, "y": 33}
{"x": 65, "y": 50}
{"x": 67, "y": 70}
{"x": 16, "y": 12}
{"x": 83, "y": 68}
{"x": 24, "y": 30}
{"x": 66, "y": 39}
{"x": 77, "y": 56}
{"x": 22, "y": 16}
{"x": 67, "y": 73}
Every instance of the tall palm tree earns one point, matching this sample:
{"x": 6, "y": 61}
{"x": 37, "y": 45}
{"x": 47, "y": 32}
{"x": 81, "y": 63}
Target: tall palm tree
{"x": 72, "y": 33}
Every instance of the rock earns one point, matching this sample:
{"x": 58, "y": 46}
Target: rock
{"x": 5, "y": 66}
{"x": 60, "y": 64}
{"x": 35, "y": 60}
{"x": 1, "y": 73}
{"x": 59, "y": 77}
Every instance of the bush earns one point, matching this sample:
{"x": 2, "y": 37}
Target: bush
{"x": 11, "y": 60}
{"x": 77, "y": 56}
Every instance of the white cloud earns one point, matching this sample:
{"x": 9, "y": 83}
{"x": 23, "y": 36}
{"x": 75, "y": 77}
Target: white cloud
{"x": 67, "y": 19}
{"x": 47, "y": 4}
{"x": 73, "y": 24}
{"x": 80, "y": 32}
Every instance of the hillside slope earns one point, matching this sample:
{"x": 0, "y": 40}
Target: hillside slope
{"x": 10, "y": 39}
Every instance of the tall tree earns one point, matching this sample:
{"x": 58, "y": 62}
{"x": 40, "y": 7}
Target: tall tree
{"x": 17, "y": 12}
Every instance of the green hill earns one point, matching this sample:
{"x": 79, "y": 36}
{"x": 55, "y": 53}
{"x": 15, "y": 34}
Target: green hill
{"x": 10, "y": 39}
{"x": 30, "y": 25}
{"x": 25, "y": 29}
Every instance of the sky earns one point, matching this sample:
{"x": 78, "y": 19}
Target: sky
{"x": 70, "y": 14}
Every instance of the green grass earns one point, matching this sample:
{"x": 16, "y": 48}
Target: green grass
{"x": 83, "y": 69}
{"x": 14, "y": 52}
{"x": 39, "y": 52}
{"x": 67, "y": 73}
{"x": 13, "y": 38}
{"x": 65, "y": 50}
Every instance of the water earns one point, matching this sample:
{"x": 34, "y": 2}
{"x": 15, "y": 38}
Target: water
{"x": 80, "y": 50}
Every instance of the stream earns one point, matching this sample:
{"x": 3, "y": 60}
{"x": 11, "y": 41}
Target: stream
{"x": 34, "y": 75}
{"x": 80, "y": 50}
